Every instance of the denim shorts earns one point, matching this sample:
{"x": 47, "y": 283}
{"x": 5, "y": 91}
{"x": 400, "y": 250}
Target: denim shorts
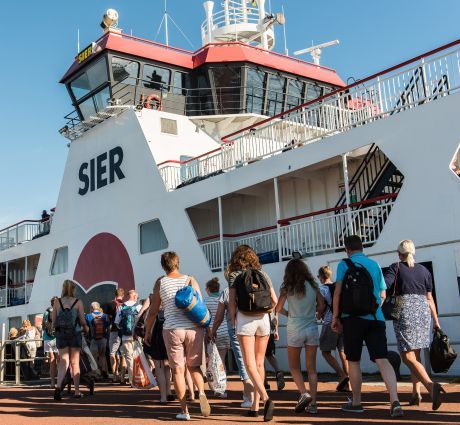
{"x": 305, "y": 336}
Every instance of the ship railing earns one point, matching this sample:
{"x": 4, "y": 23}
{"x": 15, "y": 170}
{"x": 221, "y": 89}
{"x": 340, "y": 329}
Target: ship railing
{"x": 418, "y": 81}
{"x": 15, "y": 294}
{"x": 21, "y": 232}
{"x": 314, "y": 233}
{"x": 236, "y": 14}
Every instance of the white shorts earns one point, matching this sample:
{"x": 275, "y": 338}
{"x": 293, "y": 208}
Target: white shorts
{"x": 114, "y": 343}
{"x": 50, "y": 346}
{"x": 300, "y": 337}
{"x": 247, "y": 325}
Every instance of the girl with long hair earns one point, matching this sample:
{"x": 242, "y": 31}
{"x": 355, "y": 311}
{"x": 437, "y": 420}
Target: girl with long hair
{"x": 304, "y": 299}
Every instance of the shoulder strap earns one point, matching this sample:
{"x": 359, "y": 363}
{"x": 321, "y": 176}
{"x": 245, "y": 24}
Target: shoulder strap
{"x": 60, "y": 303}
{"x": 395, "y": 283}
{"x": 188, "y": 282}
{"x": 349, "y": 263}
{"x": 75, "y": 302}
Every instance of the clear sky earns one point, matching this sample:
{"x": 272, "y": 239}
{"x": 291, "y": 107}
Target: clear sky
{"x": 39, "y": 42}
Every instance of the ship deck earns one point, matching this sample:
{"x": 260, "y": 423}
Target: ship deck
{"x": 113, "y": 404}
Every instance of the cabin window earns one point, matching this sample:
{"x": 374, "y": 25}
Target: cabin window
{"x": 59, "y": 264}
{"x": 275, "y": 94}
{"x": 91, "y": 79}
{"x": 313, "y": 91}
{"x": 179, "y": 84}
{"x": 152, "y": 237}
{"x": 156, "y": 78}
{"x": 95, "y": 103}
{"x": 125, "y": 70}
{"x": 294, "y": 93}
{"x": 227, "y": 85}
{"x": 255, "y": 86}
{"x": 14, "y": 322}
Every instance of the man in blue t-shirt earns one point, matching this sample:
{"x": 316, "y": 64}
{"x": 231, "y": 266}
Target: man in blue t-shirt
{"x": 369, "y": 329}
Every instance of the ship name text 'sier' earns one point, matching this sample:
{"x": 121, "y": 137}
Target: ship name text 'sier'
{"x": 101, "y": 171}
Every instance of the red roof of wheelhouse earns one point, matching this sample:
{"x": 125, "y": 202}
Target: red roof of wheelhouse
{"x": 210, "y": 53}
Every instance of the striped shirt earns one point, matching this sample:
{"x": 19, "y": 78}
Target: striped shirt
{"x": 212, "y": 302}
{"x": 175, "y": 318}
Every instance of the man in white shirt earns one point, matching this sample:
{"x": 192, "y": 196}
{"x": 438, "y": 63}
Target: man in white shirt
{"x": 125, "y": 319}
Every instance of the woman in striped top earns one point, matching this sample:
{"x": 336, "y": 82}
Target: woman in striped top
{"x": 212, "y": 302}
{"x": 183, "y": 338}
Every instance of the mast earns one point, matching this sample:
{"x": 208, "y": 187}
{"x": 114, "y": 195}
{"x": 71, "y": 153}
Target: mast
{"x": 166, "y": 23}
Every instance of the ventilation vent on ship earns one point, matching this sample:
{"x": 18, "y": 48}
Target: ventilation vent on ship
{"x": 169, "y": 126}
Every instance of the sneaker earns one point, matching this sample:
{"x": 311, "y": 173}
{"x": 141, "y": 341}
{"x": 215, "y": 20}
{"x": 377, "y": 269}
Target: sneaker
{"x": 246, "y": 404}
{"x": 304, "y": 401}
{"x": 312, "y": 409}
{"x": 280, "y": 380}
{"x": 204, "y": 405}
{"x": 396, "y": 410}
{"x": 348, "y": 407}
{"x": 183, "y": 416}
{"x": 221, "y": 395}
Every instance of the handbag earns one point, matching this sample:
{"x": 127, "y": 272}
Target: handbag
{"x": 442, "y": 354}
{"x": 392, "y": 304}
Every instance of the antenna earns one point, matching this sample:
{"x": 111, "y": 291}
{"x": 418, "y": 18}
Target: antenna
{"x": 315, "y": 51}
{"x": 286, "y": 51}
{"x": 166, "y": 23}
{"x": 78, "y": 40}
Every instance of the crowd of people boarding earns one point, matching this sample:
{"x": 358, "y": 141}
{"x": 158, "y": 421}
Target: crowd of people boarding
{"x": 245, "y": 319}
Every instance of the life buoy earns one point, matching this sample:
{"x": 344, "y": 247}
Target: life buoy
{"x": 153, "y": 102}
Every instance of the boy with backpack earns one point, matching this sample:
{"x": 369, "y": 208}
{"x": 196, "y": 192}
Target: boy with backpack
{"x": 329, "y": 340}
{"x": 358, "y": 296}
{"x": 126, "y": 320}
{"x": 99, "y": 326}
{"x": 49, "y": 342}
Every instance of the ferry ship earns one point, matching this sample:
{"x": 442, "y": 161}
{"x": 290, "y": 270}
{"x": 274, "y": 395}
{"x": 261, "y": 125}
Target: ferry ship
{"x": 198, "y": 152}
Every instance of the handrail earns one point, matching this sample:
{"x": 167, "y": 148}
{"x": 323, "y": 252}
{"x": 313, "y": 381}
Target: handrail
{"x": 21, "y": 222}
{"x": 285, "y": 221}
{"x": 344, "y": 89}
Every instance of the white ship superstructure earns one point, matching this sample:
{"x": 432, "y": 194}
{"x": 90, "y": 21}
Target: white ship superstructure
{"x": 198, "y": 152}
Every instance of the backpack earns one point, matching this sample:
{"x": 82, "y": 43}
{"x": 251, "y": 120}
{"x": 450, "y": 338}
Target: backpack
{"x": 49, "y": 328}
{"x": 98, "y": 328}
{"x": 442, "y": 354}
{"x": 139, "y": 329}
{"x": 65, "y": 321}
{"x": 253, "y": 292}
{"x": 357, "y": 296}
{"x": 331, "y": 289}
{"x": 127, "y": 318}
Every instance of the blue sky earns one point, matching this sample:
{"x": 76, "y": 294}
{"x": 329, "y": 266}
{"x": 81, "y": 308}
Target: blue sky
{"x": 39, "y": 42}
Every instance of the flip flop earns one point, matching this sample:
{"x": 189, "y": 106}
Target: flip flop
{"x": 342, "y": 384}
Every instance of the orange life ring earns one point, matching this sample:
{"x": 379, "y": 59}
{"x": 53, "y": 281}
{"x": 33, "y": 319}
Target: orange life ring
{"x": 151, "y": 101}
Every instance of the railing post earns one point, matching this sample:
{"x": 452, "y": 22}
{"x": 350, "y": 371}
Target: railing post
{"x": 425, "y": 87}
{"x": 347, "y": 193}
{"x": 2, "y": 354}
{"x": 221, "y": 234}
{"x": 17, "y": 235}
{"x": 6, "y": 283}
{"x": 17, "y": 362}
{"x": 278, "y": 218}
{"x": 379, "y": 88}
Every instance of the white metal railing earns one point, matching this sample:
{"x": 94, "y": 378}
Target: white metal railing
{"x": 408, "y": 85}
{"x": 19, "y": 233}
{"x": 233, "y": 13}
{"x": 15, "y": 295}
{"x": 310, "y": 235}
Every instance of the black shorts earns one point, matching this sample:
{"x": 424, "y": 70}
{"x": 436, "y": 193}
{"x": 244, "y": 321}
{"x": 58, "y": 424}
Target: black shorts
{"x": 271, "y": 347}
{"x": 356, "y": 331}
{"x": 68, "y": 341}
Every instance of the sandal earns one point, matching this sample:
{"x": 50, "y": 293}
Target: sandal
{"x": 57, "y": 394}
{"x": 436, "y": 395}
{"x": 342, "y": 385}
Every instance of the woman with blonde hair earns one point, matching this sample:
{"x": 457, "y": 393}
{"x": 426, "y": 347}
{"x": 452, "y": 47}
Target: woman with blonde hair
{"x": 413, "y": 283}
{"x": 30, "y": 334}
{"x": 68, "y": 318}
{"x": 252, "y": 330}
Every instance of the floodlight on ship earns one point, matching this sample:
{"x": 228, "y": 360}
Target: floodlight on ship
{"x": 110, "y": 20}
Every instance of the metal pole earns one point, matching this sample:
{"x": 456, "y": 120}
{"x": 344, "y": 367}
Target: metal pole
{"x": 166, "y": 24}
{"x": 347, "y": 193}
{"x": 2, "y": 354}
{"x": 6, "y": 285}
{"x": 221, "y": 233}
{"x": 17, "y": 362}
{"x": 278, "y": 217}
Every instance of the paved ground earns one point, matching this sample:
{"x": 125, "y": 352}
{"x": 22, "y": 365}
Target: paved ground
{"x": 113, "y": 405}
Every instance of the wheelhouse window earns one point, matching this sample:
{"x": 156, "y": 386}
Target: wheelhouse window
{"x": 125, "y": 70}
{"x": 59, "y": 264}
{"x": 294, "y": 93}
{"x": 180, "y": 83}
{"x": 94, "y": 77}
{"x": 156, "y": 78}
{"x": 313, "y": 91}
{"x": 152, "y": 237}
{"x": 275, "y": 94}
{"x": 227, "y": 84}
{"x": 255, "y": 90}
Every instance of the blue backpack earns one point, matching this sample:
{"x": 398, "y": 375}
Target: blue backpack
{"x": 127, "y": 318}
{"x": 188, "y": 300}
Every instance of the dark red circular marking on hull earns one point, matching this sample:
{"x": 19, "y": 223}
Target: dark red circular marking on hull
{"x": 104, "y": 258}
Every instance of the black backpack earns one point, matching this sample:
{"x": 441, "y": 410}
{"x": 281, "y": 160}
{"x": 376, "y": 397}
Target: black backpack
{"x": 49, "y": 328}
{"x": 331, "y": 289}
{"x": 253, "y": 292}
{"x": 442, "y": 354}
{"x": 357, "y": 295}
{"x": 66, "y": 323}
